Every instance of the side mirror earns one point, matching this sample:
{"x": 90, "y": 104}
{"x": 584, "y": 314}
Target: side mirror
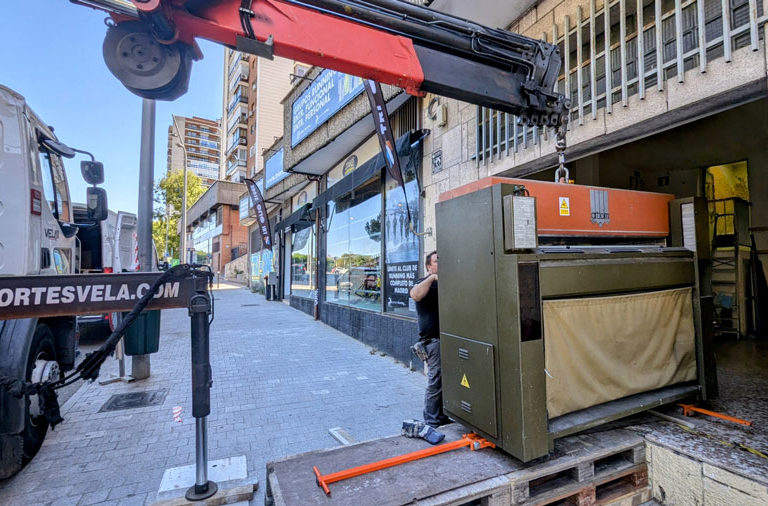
{"x": 97, "y": 203}
{"x": 68, "y": 229}
{"x": 93, "y": 171}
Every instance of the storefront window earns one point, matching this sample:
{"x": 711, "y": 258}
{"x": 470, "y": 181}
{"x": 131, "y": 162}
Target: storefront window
{"x": 401, "y": 244}
{"x": 303, "y": 262}
{"x": 353, "y": 260}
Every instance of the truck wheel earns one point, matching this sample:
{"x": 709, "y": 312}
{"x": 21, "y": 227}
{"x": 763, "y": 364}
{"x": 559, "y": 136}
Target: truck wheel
{"x": 11, "y": 449}
{"x": 41, "y": 366}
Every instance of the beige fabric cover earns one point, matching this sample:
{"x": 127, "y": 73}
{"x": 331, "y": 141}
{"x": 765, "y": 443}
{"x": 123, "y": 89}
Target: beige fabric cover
{"x": 604, "y": 348}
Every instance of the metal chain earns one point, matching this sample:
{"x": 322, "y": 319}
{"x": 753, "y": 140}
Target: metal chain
{"x": 560, "y": 145}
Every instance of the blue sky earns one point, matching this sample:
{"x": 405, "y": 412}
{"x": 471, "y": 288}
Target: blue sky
{"x": 50, "y": 52}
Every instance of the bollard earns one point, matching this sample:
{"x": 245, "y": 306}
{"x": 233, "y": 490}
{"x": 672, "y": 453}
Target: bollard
{"x": 199, "y": 311}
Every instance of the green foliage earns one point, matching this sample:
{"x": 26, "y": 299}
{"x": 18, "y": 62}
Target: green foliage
{"x": 167, "y": 197}
{"x": 373, "y": 228}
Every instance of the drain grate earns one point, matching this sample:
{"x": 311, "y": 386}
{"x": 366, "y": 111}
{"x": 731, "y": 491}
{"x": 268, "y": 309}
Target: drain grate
{"x": 249, "y": 305}
{"x": 134, "y": 400}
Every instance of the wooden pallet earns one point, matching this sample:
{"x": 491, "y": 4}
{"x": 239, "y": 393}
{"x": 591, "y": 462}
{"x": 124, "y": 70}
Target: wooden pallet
{"x": 604, "y": 468}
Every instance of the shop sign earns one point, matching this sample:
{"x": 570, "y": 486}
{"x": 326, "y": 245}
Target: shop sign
{"x": 273, "y": 169}
{"x": 262, "y": 219}
{"x": 327, "y": 94}
{"x": 437, "y": 161}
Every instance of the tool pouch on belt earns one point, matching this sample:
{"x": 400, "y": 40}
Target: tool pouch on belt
{"x": 420, "y": 351}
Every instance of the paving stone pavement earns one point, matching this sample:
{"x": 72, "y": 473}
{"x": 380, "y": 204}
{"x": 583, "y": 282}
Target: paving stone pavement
{"x": 280, "y": 381}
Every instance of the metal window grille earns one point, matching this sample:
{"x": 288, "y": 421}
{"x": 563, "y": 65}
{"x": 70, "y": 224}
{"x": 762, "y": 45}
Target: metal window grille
{"x": 639, "y": 34}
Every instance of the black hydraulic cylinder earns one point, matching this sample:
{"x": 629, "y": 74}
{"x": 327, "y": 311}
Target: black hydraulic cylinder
{"x": 438, "y": 30}
{"x": 202, "y": 378}
{"x": 199, "y": 313}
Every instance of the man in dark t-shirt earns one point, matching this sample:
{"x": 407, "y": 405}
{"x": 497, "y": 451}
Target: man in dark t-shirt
{"x": 424, "y": 294}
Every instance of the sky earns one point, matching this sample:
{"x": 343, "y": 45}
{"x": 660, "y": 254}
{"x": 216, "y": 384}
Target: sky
{"x": 51, "y": 53}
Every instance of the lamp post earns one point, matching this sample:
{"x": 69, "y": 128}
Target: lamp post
{"x": 183, "y": 238}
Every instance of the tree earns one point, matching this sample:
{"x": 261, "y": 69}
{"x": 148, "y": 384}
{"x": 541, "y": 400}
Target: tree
{"x": 167, "y": 197}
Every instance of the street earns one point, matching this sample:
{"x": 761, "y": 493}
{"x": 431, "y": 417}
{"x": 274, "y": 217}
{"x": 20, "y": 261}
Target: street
{"x": 281, "y": 380}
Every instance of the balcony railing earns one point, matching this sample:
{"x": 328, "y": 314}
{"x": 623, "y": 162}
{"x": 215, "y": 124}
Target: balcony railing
{"x": 240, "y": 98}
{"x": 688, "y": 35}
{"x": 237, "y": 57}
{"x": 237, "y": 140}
{"x": 237, "y": 119}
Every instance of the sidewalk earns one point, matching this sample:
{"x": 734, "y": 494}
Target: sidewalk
{"x": 280, "y": 381}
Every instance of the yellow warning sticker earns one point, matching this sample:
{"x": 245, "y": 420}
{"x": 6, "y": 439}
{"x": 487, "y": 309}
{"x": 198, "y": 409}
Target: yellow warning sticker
{"x": 565, "y": 206}
{"x": 464, "y": 381}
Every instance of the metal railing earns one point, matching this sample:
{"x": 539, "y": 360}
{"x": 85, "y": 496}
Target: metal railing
{"x": 671, "y": 34}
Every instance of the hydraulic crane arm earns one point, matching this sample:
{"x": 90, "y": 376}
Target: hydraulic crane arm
{"x": 151, "y": 45}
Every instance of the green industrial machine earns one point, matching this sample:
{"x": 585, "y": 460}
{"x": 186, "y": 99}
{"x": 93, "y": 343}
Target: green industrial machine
{"x": 555, "y": 322}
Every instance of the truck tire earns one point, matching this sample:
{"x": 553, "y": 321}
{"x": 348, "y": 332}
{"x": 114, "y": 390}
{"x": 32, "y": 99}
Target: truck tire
{"x": 11, "y": 450}
{"x": 43, "y": 347}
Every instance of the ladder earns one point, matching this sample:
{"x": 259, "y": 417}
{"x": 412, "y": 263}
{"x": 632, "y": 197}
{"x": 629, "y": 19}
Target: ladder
{"x": 730, "y": 266}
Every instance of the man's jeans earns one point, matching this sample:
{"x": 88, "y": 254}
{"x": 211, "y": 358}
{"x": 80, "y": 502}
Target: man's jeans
{"x": 433, "y": 398}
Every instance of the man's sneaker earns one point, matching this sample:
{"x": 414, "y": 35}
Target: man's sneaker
{"x": 430, "y": 435}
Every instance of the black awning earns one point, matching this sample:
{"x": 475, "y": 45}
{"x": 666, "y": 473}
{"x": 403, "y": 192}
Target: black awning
{"x": 300, "y": 219}
{"x": 408, "y": 145}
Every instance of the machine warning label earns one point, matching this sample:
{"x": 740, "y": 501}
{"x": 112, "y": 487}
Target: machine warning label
{"x": 565, "y": 206}
{"x": 464, "y": 381}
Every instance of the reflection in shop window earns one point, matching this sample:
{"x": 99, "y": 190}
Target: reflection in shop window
{"x": 303, "y": 262}
{"x": 353, "y": 260}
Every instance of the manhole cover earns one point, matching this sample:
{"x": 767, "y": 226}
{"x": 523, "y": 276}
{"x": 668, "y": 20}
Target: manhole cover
{"x": 134, "y": 400}
{"x": 248, "y": 305}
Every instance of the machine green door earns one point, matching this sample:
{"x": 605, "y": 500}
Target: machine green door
{"x": 468, "y": 381}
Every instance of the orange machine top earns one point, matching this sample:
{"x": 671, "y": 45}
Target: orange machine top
{"x": 576, "y": 210}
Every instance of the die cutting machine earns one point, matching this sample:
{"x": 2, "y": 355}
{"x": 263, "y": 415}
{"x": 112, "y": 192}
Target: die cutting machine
{"x": 563, "y": 307}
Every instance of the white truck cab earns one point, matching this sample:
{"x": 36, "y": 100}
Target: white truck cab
{"x": 37, "y": 237}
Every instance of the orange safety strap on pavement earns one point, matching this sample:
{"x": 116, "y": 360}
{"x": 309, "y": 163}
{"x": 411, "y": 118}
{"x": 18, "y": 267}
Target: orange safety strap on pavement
{"x": 689, "y": 409}
{"x": 474, "y": 442}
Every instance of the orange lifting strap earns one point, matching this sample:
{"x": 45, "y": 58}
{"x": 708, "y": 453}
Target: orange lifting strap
{"x": 474, "y": 442}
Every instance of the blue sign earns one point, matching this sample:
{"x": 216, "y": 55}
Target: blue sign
{"x": 273, "y": 169}
{"x": 328, "y": 93}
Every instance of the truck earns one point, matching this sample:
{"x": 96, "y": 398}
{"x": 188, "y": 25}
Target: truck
{"x": 39, "y": 238}
{"x": 107, "y": 246}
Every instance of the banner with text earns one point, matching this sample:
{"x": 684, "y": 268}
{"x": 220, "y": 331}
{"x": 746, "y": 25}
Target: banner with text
{"x": 257, "y": 202}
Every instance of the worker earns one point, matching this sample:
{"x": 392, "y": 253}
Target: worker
{"x": 424, "y": 293}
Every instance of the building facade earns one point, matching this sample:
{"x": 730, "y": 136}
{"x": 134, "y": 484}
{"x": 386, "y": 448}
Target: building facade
{"x": 215, "y": 231}
{"x": 343, "y": 249}
{"x": 237, "y": 73}
{"x": 679, "y": 110}
{"x": 194, "y": 141}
